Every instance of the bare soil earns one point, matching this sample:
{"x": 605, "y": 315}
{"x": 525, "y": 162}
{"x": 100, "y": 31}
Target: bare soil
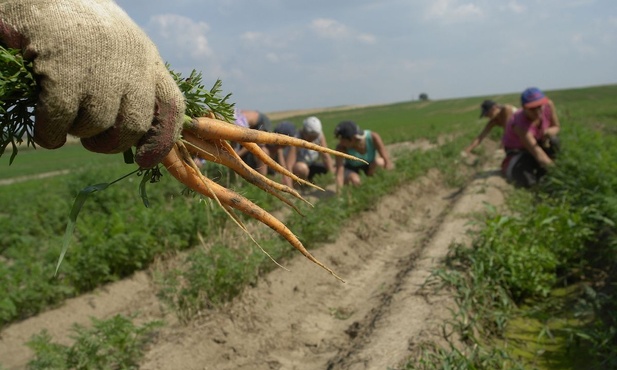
{"x": 304, "y": 318}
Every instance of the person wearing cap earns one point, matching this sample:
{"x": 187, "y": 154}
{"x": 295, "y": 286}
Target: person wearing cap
{"x": 530, "y": 139}
{"x": 306, "y": 163}
{"x": 281, "y": 153}
{"x": 498, "y": 115}
{"x": 255, "y": 120}
{"x": 364, "y": 144}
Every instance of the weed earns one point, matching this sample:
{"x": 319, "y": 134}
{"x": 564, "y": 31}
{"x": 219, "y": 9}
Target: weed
{"x": 341, "y": 313}
{"x": 115, "y": 343}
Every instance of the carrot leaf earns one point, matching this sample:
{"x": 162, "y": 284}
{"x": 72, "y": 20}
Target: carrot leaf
{"x": 201, "y": 101}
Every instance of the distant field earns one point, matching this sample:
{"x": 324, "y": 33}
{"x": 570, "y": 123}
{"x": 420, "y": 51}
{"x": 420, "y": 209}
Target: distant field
{"x": 395, "y": 122}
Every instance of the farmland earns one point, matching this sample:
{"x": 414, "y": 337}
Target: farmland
{"x": 207, "y": 297}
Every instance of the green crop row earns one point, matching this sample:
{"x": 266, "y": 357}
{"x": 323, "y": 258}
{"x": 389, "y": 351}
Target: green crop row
{"x": 115, "y": 234}
{"x": 545, "y": 270}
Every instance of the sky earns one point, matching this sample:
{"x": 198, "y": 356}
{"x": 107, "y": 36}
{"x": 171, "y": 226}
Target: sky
{"x": 276, "y": 55}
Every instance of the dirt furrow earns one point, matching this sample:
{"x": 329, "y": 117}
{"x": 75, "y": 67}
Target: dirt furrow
{"x": 412, "y": 317}
{"x": 361, "y": 332}
{"x": 304, "y": 319}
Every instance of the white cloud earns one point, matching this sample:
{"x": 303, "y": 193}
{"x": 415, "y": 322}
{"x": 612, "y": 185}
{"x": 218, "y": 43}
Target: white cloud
{"x": 516, "y": 7}
{"x": 280, "y": 39}
{"x": 188, "y": 37}
{"x": 273, "y": 48}
{"x": 450, "y": 11}
{"x": 332, "y": 29}
{"x": 252, "y": 36}
{"x": 367, "y": 38}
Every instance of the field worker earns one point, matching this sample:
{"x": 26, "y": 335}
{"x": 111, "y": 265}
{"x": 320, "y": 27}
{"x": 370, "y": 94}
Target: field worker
{"x": 252, "y": 119}
{"x": 131, "y": 99}
{"x": 498, "y": 115}
{"x": 306, "y": 163}
{"x": 363, "y": 144}
{"x": 281, "y": 153}
{"x": 530, "y": 140}
{"x": 258, "y": 121}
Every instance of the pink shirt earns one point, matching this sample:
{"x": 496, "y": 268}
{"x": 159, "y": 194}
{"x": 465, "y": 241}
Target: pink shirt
{"x": 511, "y": 140}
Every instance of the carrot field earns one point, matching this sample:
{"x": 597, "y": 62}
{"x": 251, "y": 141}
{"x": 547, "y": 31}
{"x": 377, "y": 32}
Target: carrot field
{"x": 542, "y": 263}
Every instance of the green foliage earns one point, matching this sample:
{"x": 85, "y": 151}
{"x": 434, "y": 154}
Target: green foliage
{"x": 115, "y": 343}
{"x": 434, "y": 357}
{"x": 17, "y": 97}
{"x": 115, "y": 236}
{"x": 524, "y": 253}
{"x": 209, "y": 279}
{"x": 199, "y": 100}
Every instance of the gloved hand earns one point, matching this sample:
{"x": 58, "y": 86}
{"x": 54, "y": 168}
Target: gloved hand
{"x": 101, "y": 78}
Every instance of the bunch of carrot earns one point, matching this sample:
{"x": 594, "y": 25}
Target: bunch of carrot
{"x": 207, "y": 138}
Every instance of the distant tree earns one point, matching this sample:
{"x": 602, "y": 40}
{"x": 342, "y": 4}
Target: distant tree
{"x": 423, "y": 97}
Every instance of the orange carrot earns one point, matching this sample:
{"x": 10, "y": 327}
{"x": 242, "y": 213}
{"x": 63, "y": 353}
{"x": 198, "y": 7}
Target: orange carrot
{"x": 224, "y": 149}
{"x": 274, "y": 184}
{"x": 192, "y": 178}
{"x": 180, "y": 151}
{"x": 218, "y": 153}
{"x": 268, "y": 161}
{"x": 209, "y": 128}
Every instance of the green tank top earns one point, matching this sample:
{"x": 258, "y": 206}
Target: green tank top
{"x": 369, "y": 156}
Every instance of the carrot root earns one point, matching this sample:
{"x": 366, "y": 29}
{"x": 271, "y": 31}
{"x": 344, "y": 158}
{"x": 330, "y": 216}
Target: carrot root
{"x": 219, "y": 153}
{"x": 180, "y": 165}
{"x": 268, "y": 161}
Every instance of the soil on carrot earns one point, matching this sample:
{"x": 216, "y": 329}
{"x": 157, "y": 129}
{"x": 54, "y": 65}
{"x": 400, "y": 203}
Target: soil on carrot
{"x": 304, "y": 318}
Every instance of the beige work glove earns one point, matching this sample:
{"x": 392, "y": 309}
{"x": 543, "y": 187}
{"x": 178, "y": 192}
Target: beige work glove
{"x": 101, "y": 78}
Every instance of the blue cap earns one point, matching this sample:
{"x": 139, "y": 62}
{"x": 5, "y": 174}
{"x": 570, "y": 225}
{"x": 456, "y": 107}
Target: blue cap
{"x": 533, "y": 97}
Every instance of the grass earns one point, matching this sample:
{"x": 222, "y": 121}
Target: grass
{"x": 32, "y": 162}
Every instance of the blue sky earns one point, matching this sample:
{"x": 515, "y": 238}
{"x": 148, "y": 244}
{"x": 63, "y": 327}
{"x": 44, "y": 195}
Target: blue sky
{"x": 275, "y": 55}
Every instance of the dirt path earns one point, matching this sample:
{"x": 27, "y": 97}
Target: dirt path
{"x": 39, "y": 176}
{"x": 304, "y": 318}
